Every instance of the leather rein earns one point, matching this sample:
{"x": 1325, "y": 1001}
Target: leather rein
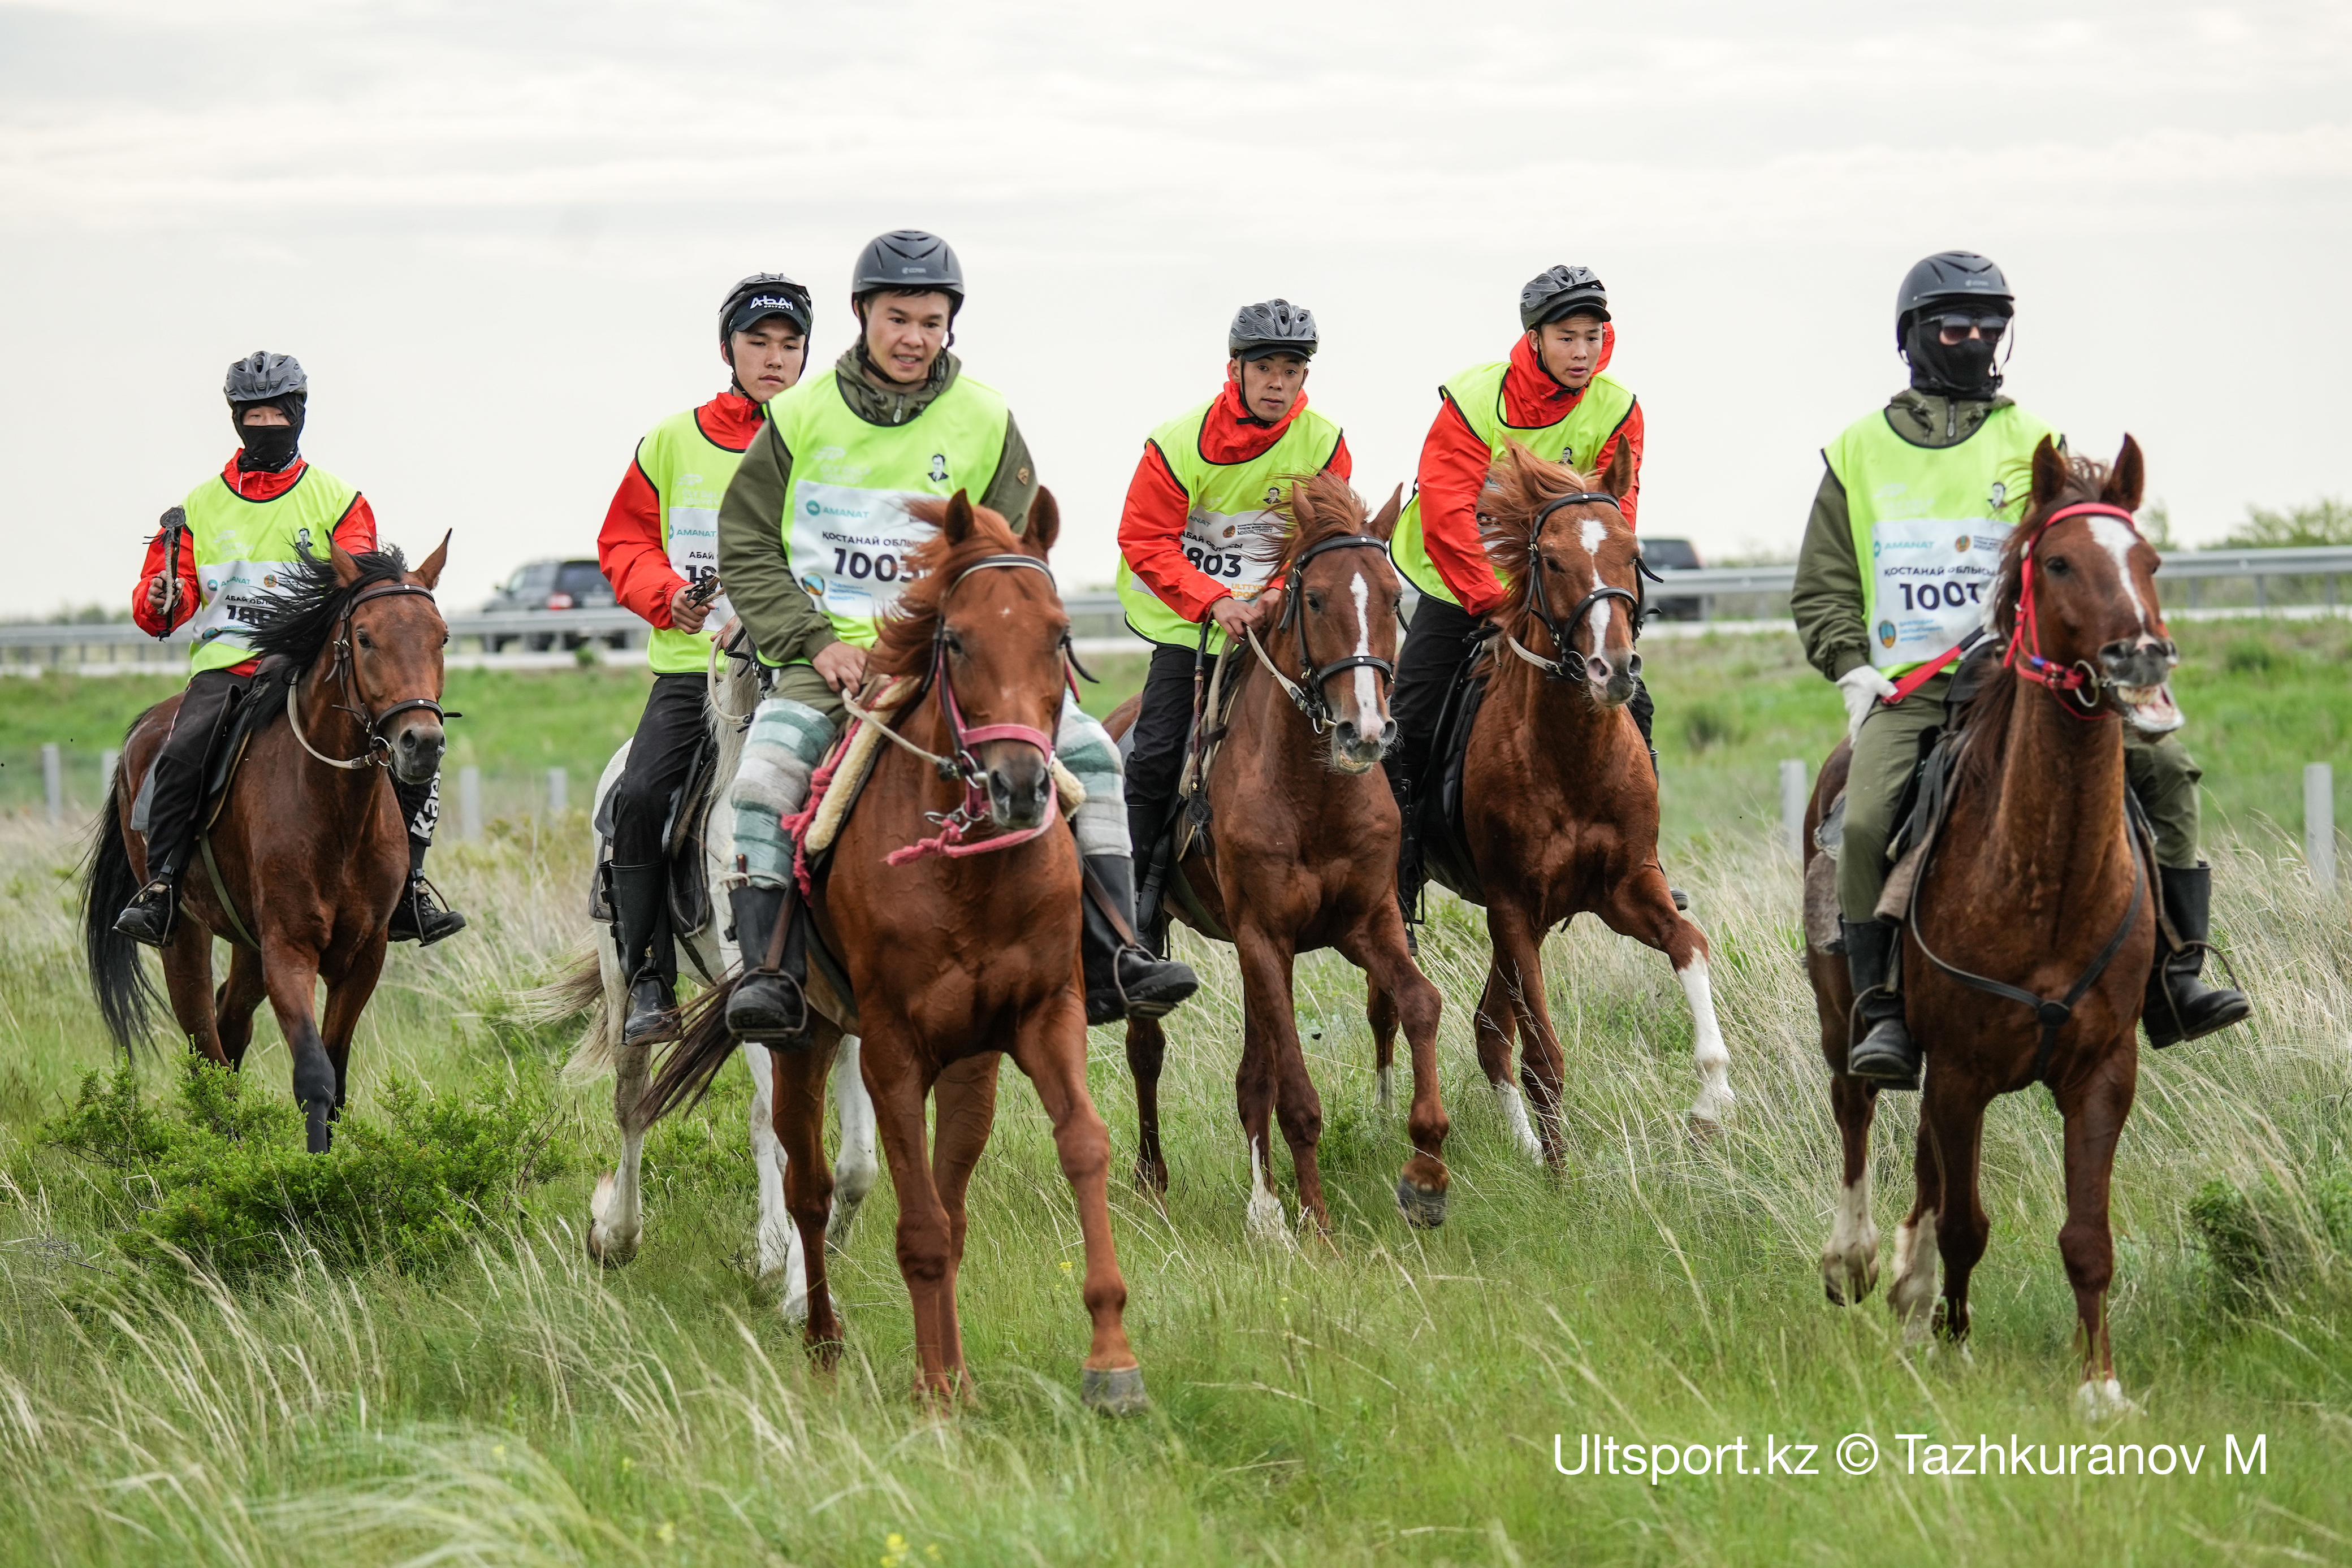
{"x": 1567, "y": 666}
{"x": 1305, "y": 693}
{"x": 379, "y": 749}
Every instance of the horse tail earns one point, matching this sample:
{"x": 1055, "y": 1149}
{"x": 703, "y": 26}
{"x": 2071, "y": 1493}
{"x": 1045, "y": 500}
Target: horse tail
{"x": 126, "y": 997}
{"x": 576, "y": 993}
{"x": 704, "y": 1044}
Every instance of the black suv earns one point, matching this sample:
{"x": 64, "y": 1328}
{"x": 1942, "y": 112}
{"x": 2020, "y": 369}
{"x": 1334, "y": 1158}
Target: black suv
{"x": 553, "y": 586}
{"x": 1667, "y": 557}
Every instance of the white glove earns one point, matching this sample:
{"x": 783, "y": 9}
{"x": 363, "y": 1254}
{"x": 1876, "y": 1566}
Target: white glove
{"x": 1862, "y": 688}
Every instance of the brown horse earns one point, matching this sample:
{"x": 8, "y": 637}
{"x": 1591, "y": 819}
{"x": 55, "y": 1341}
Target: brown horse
{"x": 2049, "y": 913}
{"x": 954, "y": 962}
{"x": 308, "y": 843}
{"x": 1304, "y": 855}
{"x": 1560, "y": 809}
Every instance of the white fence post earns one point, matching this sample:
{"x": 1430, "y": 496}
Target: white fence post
{"x": 559, "y": 791}
{"x": 2319, "y": 824}
{"x": 107, "y": 761}
{"x": 469, "y": 803}
{"x": 53, "y": 780}
{"x": 1794, "y": 791}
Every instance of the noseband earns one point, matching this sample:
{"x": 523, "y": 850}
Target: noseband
{"x": 1567, "y": 666}
{"x": 2080, "y": 681}
{"x": 1306, "y": 692}
{"x": 379, "y": 749}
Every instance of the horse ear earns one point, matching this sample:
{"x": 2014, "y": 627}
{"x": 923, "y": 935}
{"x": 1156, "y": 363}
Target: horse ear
{"x": 1302, "y": 503}
{"x": 2126, "y": 479}
{"x": 2049, "y": 473}
{"x": 955, "y": 526}
{"x": 1045, "y": 524}
{"x": 1384, "y": 521}
{"x": 1618, "y": 478}
{"x": 428, "y": 571}
{"x": 347, "y": 567}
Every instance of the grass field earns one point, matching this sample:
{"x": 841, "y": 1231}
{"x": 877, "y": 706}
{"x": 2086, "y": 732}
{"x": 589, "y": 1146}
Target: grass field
{"x": 1392, "y": 1398}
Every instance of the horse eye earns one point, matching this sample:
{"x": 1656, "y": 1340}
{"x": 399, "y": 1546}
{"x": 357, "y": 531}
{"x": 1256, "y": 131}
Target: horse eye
{"x": 1315, "y": 602}
{"x": 2058, "y": 566}
{"x": 955, "y": 645}
{"x": 365, "y": 640}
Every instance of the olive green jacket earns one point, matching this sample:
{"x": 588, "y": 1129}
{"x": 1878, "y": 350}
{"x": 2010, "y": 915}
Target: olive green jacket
{"x": 784, "y": 621}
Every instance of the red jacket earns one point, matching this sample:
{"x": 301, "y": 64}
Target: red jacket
{"x": 1151, "y": 526}
{"x": 629, "y": 548}
{"x": 355, "y": 533}
{"x": 1454, "y": 461}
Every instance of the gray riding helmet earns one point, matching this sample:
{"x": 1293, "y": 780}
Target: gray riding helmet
{"x": 1272, "y": 326}
{"x": 908, "y": 259}
{"x": 759, "y": 296}
{"x": 264, "y": 377}
{"x": 1950, "y": 277}
{"x": 1562, "y": 291}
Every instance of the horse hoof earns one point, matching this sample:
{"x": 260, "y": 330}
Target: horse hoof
{"x": 2102, "y": 1400}
{"x": 1116, "y": 1393}
{"x": 1421, "y": 1210}
{"x": 320, "y": 1128}
{"x": 607, "y": 1252}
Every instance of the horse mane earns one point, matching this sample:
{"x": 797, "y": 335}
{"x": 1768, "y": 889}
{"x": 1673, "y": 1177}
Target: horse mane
{"x": 300, "y": 615}
{"x": 1332, "y": 511}
{"x": 1510, "y": 514}
{"x": 904, "y": 647}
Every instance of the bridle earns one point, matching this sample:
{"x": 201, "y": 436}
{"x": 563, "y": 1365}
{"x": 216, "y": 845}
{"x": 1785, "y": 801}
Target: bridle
{"x": 1305, "y": 693}
{"x": 379, "y": 749}
{"x": 1566, "y": 666}
{"x": 2081, "y": 680}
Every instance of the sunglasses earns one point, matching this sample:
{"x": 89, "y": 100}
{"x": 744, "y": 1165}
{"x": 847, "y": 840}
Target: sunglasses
{"x": 1956, "y": 328}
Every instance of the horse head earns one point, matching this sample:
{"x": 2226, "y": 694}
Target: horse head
{"x": 395, "y": 642}
{"x": 984, "y": 618}
{"x": 1574, "y": 562}
{"x": 1340, "y": 600}
{"x": 2077, "y": 593}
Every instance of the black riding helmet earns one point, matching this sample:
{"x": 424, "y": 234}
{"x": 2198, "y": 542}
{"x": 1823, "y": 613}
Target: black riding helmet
{"x": 1562, "y": 291}
{"x": 1952, "y": 282}
{"x": 759, "y": 296}
{"x": 911, "y": 260}
{"x": 264, "y": 379}
{"x": 1272, "y": 326}
{"x": 1959, "y": 277}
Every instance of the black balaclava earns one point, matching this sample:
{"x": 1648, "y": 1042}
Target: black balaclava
{"x": 269, "y": 448}
{"x": 1964, "y": 370}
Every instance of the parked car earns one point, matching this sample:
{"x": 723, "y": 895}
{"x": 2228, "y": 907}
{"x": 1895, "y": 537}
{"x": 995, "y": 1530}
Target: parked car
{"x": 553, "y": 587}
{"x": 1667, "y": 557}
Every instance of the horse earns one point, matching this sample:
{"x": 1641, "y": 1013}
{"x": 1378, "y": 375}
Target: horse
{"x": 2024, "y": 960}
{"x": 957, "y": 952}
{"x": 1305, "y": 856}
{"x": 599, "y": 986}
{"x": 308, "y": 855}
{"x": 1559, "y": 797}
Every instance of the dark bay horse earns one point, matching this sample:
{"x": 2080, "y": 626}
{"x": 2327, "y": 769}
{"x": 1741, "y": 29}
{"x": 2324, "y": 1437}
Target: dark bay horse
{"x": 1304, "y": 855}
{"x": 956, "y": 960}
{"x": 2048, "y": 900}
{"x": 309, "y": 844}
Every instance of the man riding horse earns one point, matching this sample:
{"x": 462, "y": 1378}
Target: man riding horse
{"x": 813, "y": 539}
{"x": 1197, "y": 540}
{"x": 659, "y": 549}
{"x": 1925, "y": 490}
{"x": 216, "y": 564}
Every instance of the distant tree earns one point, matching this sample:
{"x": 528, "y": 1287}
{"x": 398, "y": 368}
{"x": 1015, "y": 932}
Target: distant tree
{"x": 2156, "y": 525}
{"x": 2327, "y": 521}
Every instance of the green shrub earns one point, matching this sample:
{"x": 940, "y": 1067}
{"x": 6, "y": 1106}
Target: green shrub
{"x": 2261, "y": 1240}
{"x": 1706, "y": 725}
{"x": 2253, "y": 656}
{"x": 223, "y": 1175}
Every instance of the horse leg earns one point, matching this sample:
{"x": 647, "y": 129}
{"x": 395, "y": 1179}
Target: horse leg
{"x": 234, "y": 1005}
{"x": 1912, "y": 1295}
{"x": 188, "y": 982}
{"x": 1962, "y": 1226}
{"x": 1279, "y": 1082}
{"x": 796, "y": 1124}
{"x": 1491, "y": 1025}
{"x": 1380, "y": 1012}
{"x": 1051, "y": 1048}
{"x": 347, "y": 997}
{"x": 1147, "y": 1049}
{"x": 292, "y": 974}
{"x": 777, "y": 1241}
{"x": 1381, "y": 951}
{"x": 1643, "y": 908}
{"x": 899, "y": 1093}
{"x": 1518, "y": 944}
{"x": 617, "y": 1209}
{"x": 966, "y": 1101}
{"x": 2095, "y": 1115}
{"x": 857, "y": 1168}
{"x": 1850, "y": 1261}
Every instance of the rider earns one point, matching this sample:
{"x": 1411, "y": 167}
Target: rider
{"x": 1552, "y": 397}
{"x": 659, "y": 549}
{"x": 812, "y": 539}
{"x": 1195, "y": 543}
{"x": 1936, "y": 480}
{"x": 267, "y": 508}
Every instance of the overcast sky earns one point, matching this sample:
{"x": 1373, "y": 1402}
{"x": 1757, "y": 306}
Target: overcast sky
{"x": 497, "y": 234}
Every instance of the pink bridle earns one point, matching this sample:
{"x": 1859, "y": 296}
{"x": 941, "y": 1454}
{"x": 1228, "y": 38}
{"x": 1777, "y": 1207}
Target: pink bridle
{"x": 2024, "y": 652}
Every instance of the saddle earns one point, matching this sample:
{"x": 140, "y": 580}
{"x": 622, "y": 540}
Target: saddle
{"x": 1436, "y": 828}
{"x": 248, "y": 713}
{"x": 685, "y": 832}
{"x": 1165, "y": 886}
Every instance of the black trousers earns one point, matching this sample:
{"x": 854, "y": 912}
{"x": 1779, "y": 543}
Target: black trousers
{"x": 179, "y": 766}
{"x": 667, "y": 734}
{"x": 1155, "y": 763}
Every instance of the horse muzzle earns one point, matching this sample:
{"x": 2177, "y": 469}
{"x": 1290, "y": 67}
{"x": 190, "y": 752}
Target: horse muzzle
{"x": 1020, "y": 786}
{"x": 1613, "y": 673}
{"x": 1356, "y": 750}
{"x": 2139, "y": 672}
{"x": 417, "y": 751}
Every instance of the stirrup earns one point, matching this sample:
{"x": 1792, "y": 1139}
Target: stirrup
{"x": 751, "y": 1020}
{"x": 151, "y": 913}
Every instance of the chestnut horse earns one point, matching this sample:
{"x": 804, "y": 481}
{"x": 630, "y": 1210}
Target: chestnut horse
{"x": 2026, "y": 960}
{"x": 955, "y": 959}
{"x": 1304, "y": 855}
{"x": 309, "y": 844}
{"x": 1559, "y": 811}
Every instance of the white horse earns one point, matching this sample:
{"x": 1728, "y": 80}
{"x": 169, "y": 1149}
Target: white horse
{"x": 616, "y": 1211}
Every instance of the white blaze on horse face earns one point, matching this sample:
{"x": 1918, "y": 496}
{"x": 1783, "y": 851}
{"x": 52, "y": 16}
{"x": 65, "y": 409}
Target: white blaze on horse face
{"x": 1368, "y": 689}
{"x": 1596, "y": 534}
{"x": 1713, "y": 1057}
{"x": 2117, "y": 540}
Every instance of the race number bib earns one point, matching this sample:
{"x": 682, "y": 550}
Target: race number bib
{"x": 1932, "y": 578}
{"x": 850, "y": 548}
{"x": 235, "y": 595}
{"x": 694, "y": 553}
{"x": 1237, "y": 548}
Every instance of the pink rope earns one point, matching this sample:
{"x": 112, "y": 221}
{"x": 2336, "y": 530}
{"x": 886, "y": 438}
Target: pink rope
{"x": 799, "y": 822}
{"x": 951, "y": 842}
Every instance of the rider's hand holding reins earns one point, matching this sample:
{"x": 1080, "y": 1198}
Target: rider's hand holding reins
{"x": 1235, "y": 617}
{"x": 843, "y": 665}
{"x": 163, "y": 594}
{"x": 1862, "y": 687}
{"x": 686, "y": 611}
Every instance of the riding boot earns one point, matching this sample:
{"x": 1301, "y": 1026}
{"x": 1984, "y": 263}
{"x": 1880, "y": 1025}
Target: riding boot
{"x": 418, "y": 917}
{"x": 149, "y": 916}
{"x": 770, "y": 1004}
{"x": 1646, "y": 714}
{"x": 1885, "y": 1054}
{"x": 641, "y": 922}
{"x": 2180, "y": 1005}
{"x": 1122, "y": 979}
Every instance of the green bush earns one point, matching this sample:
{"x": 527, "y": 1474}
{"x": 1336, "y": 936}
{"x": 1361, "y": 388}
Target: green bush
{"x": 1707, "y": 724}
{"x": 224, "y": 1177}
{"x": 2261, "y": 1240}
{"x": 2253, "y": 656}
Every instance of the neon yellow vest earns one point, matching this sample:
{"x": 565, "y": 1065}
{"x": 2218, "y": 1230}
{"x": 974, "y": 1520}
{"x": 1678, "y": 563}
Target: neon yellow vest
{"x": 1229, "y": 532}
{"x": 846, "y": 531}
{"x": 1928, "y": 526}
{"x": 690, "y": 472}
{"x": 242, "y": 547}
{"x": 1478, "y": 393}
